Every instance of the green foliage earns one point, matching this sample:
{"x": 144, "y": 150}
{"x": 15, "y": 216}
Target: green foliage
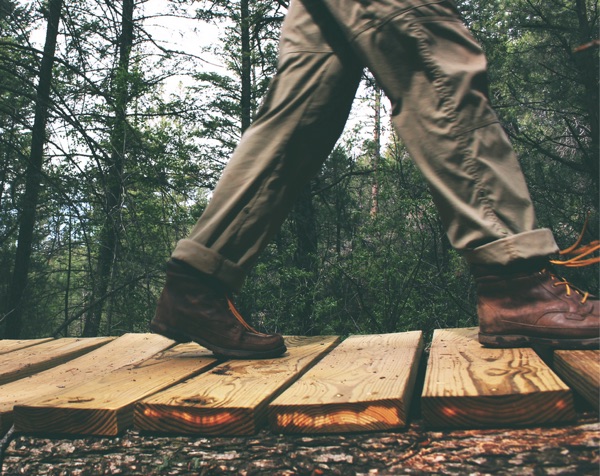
{"x": 385, "y": 273}
{"x": 336, "y": 266}
{"x": 162, "y": 180}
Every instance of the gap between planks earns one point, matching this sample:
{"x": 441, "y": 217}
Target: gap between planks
{"x": 466, "y": 385}
{"x": 232, "y": 398}
{"x": 103, "y": 406}
{"x": 126, "y": 350}
{"x": 30, "y": 360}
{"x": 9, "y": 345}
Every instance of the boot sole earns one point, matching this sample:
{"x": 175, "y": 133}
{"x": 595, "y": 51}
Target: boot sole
{"x": 511, "y": 341}
{"x": 218, "y": 351}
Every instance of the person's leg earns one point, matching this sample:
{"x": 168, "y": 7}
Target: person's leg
{"x": 435, "y": 76}
{"x": 301, "y": 119}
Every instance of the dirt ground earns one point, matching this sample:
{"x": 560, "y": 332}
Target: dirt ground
{"x": 569, "y": 449}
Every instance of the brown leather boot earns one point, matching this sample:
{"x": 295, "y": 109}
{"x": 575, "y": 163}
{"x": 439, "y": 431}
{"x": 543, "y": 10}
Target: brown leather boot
{"x": 528, "y": 308}
{"x": 191, "y": 308}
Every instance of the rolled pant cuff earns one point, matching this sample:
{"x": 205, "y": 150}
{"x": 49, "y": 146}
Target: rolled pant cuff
{"x": 527, "y": 245}
{"x": 210, "y": 263}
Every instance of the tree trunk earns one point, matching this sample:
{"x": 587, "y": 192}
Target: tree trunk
{"x": 14, "y": 311}
{"x": 246, "y": 72}
{"x": 587, "y": 65}
{"x": 69, "y": 272}
{"x": 376, "y": 153}
{"x": 305, "y": 257}
{"x": 109, "y": 236}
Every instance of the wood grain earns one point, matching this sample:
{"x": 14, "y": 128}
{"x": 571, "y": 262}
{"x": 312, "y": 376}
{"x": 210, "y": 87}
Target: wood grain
{"x": 364, "y": 384}
{"x": 30, "y": 360}
{"x": 232, "y": 398}
{"x": 467, "y": 385}
{"x": 128, "y": 349}
{"x": 581, "y": 370}
{"x": 8, "y": 345}
{"x": 103, "y": 406}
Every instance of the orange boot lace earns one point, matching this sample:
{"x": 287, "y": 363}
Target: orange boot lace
{"x": 578, "y": 257}
{"x": 240, "y": 319}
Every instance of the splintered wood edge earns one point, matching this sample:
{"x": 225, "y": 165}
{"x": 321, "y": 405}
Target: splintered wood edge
{"x": 504, "y": 410}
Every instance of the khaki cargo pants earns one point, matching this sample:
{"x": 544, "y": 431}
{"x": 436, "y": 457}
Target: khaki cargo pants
{"x": 434, "y": 74}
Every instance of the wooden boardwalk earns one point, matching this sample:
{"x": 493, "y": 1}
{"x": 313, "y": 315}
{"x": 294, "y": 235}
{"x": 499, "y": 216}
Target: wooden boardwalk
{"x": 103, "y": 386}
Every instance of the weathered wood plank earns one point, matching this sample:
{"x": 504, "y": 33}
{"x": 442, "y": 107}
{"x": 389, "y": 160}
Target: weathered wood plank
{"x": 364, "y": 384}
{"x": 30, "y": 360}
{"x": 232, "y": 398}
{"x": 126, "y": 350}
{"x": 104, "y": 406}
{"x": 8, "y": 345}
{"x": 467, "y": 385}
{"x": 581, "y": 370}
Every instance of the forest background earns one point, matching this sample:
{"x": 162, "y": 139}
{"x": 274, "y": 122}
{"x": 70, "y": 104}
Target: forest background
{"x": 112, "y": 138}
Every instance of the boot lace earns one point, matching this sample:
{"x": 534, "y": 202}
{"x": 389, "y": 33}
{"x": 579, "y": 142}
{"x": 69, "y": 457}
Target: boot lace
{"x": 569, "y": 287}
{"x": 240, "y": 319}
{"x": 578, "y": 256}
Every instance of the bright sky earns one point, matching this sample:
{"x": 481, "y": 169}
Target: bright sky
{"x": 191, "y": 36}
{"x": 188, "y": 35}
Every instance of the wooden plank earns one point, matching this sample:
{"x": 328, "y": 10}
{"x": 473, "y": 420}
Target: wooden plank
{"x": 467, "y": 385}
{"x": 364, "y": 384}
{"x": 104, "y": 406}
{"x": 8, "y": 345}
{"x": 581, "y": 370}
{"x": 128, "y": 349}
{"x": 30, "y": 360}
{"x": 232, "y": 398}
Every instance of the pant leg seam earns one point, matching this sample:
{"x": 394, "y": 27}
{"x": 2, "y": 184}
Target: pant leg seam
{"x": 309, "y": 51}
{"x": 380, "y": 22}
{"x": 278, "y": 164}
{"x": 449, "y": 109}
{"x": 477, "y": 126}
